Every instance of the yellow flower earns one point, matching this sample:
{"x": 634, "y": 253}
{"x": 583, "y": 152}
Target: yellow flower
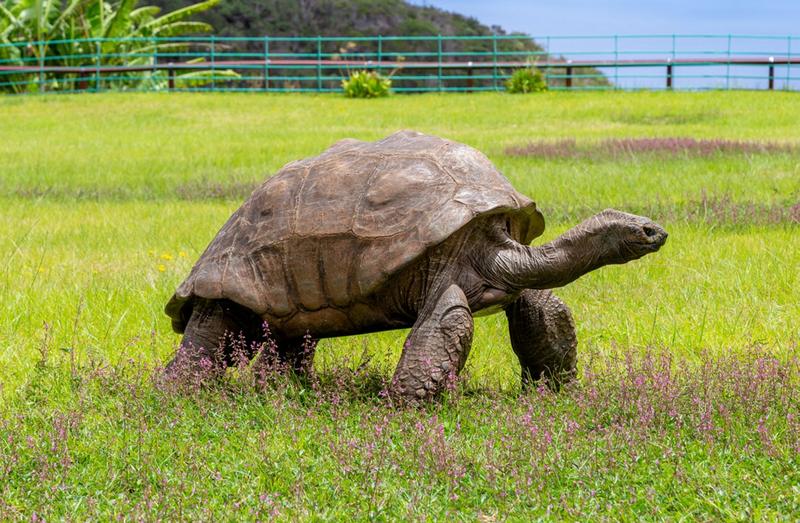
{"x": 182, "y": 254}
{"x": 162, "y": 267}
{"x": 166, "y": 256}
{"x": 41, "y": 269}
{"x": 151, "y": 252}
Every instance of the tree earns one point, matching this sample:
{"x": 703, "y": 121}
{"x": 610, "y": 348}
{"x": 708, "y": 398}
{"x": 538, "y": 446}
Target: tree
{"x": 85, "y": 33}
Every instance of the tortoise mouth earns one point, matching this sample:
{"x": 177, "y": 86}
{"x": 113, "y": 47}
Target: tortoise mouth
{"x": 653, "y": 247}
{"x": 648, "y": 247}
{"x": 651, "y": 239}
{"x": 654, "y": 236}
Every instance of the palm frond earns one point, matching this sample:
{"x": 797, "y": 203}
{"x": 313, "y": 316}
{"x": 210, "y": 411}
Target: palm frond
{"x": 183, "y": 28}
{"x": 180, "y": 14}
{"x": 148, "y": 11}
{"x": 120, "y": 20}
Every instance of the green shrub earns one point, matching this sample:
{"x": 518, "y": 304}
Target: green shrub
{"x": 70, "y": 32}
{"x": 366, "y": 84}
{"x": 526, "y": 81}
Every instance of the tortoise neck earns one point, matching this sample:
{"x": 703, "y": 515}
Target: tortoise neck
{"x": 553, "y": 264}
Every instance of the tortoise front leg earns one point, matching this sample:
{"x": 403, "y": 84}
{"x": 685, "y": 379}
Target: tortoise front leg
{"x": 543, "y": 337}
{"x": 436, "y": 349}
{"x": 218, "y": 334}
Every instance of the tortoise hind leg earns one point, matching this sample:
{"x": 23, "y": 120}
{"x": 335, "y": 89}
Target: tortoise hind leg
{"x": 436, "y": 349}
{"x": 219, "y": 333}
{"x": 543, "y": 338}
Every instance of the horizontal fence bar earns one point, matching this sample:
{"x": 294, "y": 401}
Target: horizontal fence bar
{"x": 420, "y": 63}
{"x": 313, "y": 39}
{"x": 305, "y": 64}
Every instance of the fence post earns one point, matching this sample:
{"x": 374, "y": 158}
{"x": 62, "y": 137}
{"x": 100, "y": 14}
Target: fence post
{"x": 83, "y": 80}
{"x": 41, "y": 67}
{"x": 669, "y": 73}
{"x": 672, "y": 60}
{"x": 568, "y": 79}
{"x": 380, "y": 50}
{"x": 154, "y": 61}
{"x": 97, "y": 49}
{"x": 494, "y": 58}
{"x": 616, "y": 62}
{"x": 213, "y": 63}
{"x": 771, "y": 81}
{"x": 266, "y": 63}
{"x": 728, "y": 66}
{"x": 673, "y": 47}
{"x": 170, "y": 78}
{"x": 319, "y": 63}
{"x": 788, "y": 62}
{"x": 439, "y": 59}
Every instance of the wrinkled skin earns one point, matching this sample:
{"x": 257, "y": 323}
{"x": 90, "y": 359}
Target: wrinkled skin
{"x": 411, "y": 231}
{"x": 480, "y": 270}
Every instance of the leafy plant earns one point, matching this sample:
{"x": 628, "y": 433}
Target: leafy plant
{"x": 366, "y": 84}
{"x": 528, "y": 80}
{"x": 87, "y": 32}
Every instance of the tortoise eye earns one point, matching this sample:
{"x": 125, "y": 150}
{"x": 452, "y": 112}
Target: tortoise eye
{"x": 508, "y": 226}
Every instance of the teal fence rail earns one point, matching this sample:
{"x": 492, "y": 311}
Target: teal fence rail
{"x": 415, "y": 63}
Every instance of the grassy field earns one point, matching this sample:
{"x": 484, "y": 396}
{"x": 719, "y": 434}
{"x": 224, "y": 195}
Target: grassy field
{"x": 687, "y": 407}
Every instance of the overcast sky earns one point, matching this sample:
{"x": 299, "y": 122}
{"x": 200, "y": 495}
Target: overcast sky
{"x": 582, "y": 17}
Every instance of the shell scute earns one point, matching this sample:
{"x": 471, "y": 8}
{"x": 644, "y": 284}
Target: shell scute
{"x": 303, "y": 266}
{"x": 327, "y": 230}
{"x": 327, "y": 203}
{"x": 400, "y": 197}
{"x": 272, "y": 213}
{"x": 274, "y": 283}
{"x": 338, "y": 256}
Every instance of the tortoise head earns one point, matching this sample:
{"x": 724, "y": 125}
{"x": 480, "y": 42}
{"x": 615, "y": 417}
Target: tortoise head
{"x": 620, "y": 237}
{"x": 610, "y": 237}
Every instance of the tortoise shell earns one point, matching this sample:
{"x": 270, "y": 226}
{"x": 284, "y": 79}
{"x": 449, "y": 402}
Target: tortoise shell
{"x": 327, "y": 230}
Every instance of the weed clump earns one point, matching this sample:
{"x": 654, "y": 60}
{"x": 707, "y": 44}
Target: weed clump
{"x": 526, "y": 81}
{"x": 636, "y": 427}
{"x": 621, "y": 148}
{"x": 366, "y": 84}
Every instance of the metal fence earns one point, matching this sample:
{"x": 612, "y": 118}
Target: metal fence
{"x": 415, "y": 63}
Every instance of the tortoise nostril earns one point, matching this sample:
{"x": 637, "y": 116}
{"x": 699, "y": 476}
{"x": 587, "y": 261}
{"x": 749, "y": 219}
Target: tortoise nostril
{"x": 650, "y": 231}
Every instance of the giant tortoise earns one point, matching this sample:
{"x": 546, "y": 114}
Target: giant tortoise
{"x": 408, "y": 231}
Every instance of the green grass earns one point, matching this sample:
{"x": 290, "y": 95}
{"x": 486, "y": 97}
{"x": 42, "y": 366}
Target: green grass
{"x": 107, "y": 200}
{"x": 147, "y": 146}
{"x": 718, "y": 289}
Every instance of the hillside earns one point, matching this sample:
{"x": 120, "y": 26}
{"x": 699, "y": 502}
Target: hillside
{"x": 335, "y": 18}
{"x": 253, "y": 18}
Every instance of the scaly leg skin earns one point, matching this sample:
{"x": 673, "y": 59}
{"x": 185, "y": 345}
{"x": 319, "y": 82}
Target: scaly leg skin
{"x": 543, "y": 338}
{"x": 219, "y": 332}
{"x": 436, "y": 349}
